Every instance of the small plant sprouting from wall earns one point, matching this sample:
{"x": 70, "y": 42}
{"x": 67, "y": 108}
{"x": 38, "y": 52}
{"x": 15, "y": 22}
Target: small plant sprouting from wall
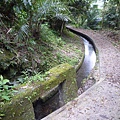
{"x": 6, "y": 91}
{"x": 37, "y": 77}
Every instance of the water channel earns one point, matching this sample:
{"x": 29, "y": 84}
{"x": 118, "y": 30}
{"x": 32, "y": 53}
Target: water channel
{"x": 88, "y": 63}
{"x": 43, "y": 108}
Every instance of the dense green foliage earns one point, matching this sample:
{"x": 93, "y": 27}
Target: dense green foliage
{"x": 26, "y": 39}
{"x": 111, "y": 14}
{"x": 79, "y": 10}
{"x": 87, "y": 14}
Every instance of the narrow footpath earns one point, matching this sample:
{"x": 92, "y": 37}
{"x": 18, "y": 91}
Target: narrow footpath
{"x": 102, "y": 100}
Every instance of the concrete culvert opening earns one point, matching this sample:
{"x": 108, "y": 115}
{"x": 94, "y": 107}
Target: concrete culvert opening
{"x": 50, "y": 103}
{"x": 42, "y": 109}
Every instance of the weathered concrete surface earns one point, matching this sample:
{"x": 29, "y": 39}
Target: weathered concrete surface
{"x": 101, "y": 101}
{"x": 21, "y": 108}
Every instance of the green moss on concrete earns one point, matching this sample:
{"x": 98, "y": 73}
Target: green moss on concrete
{"x": 18, "y": 107}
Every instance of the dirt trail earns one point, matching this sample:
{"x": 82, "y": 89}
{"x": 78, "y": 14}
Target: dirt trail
{"x": 102, "y": 100}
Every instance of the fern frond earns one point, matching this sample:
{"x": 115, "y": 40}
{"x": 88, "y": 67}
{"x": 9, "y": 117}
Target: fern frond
{"x": 23, "y": 32}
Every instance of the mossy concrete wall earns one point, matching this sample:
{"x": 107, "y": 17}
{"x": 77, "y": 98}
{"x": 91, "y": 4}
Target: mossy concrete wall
{"x": 21, "y": 108}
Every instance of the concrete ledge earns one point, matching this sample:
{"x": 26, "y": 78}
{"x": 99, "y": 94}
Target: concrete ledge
{"x": 94, "y": 104}
{"x": 21, "y": 108}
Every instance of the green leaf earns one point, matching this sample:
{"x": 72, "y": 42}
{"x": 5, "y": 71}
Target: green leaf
{"x": 5, "y": 87}
{"x": 1, "y": 114}
{"x": 5, "y": 81}
{"x": 21, "y": 80}
{"x": 6, "y": 97}
{"x": 1, "y": 83}
{"x": 1, "y": 77}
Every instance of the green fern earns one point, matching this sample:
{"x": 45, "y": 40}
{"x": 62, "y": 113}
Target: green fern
{"x": 23, "y": 32}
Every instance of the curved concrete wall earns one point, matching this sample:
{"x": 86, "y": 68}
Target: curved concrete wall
{"x": 82, "y": 35}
